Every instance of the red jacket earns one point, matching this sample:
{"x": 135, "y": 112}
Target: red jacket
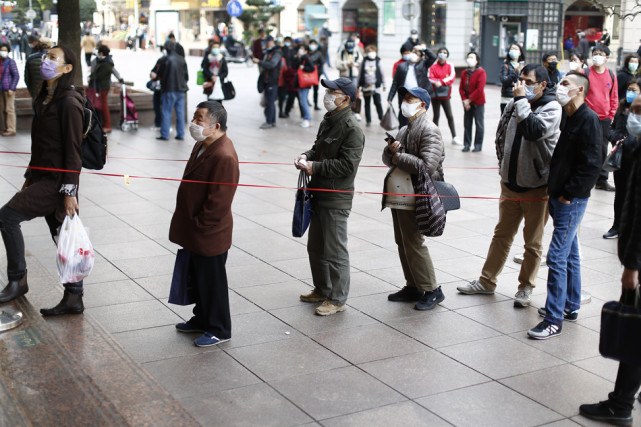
{"x": 476, "y": 90}
{"x": 396, "y": 64}
{"x": 445, "y": 74}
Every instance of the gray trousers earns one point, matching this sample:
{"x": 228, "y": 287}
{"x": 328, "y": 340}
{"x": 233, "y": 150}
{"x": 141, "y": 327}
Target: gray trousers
{"x": 328, "y": 256}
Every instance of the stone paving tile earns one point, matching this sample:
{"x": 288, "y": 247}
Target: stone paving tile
{"x": 600, "y": 366}
{"x": 378, "y": 307}
{"x": 404, "y": 414}
{"x": 255, "y": 274}
{"x": 249, "y": 406}
{"x": 275, "y": 295}
{"x": 113, "y": 293}
{"x": 133, "y": 315}
{"x": 502, "y": 316}
{"x": 257, "y": 328}
{"x": 146, "y": 266}
{"x": 303, "y": 319}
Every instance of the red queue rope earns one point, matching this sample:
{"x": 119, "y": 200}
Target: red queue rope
{"x": 250, "y": 163}
{"x": 127, "y": 177}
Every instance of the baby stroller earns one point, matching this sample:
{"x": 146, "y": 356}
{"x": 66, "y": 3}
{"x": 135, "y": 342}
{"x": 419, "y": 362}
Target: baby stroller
{"x": 128, "y": 113}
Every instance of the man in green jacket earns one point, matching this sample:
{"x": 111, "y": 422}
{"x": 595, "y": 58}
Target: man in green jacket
{"x": 332, "y": 164}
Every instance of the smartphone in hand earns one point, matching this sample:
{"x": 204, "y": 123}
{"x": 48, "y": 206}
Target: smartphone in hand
{"x": 389, "y": 138}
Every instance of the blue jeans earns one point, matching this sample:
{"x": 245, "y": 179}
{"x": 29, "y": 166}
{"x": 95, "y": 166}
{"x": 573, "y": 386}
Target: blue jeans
{"x": 157, "y": 109}
{"x": 302, "y": 99}
{"x": 563, "y": 260}
{"x": 271, "y": 93}
{"x": 170, "y": 101}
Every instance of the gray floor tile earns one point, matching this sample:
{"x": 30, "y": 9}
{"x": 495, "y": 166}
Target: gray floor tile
{"x": 422, "y": 374}
{"x": 404, "y": 414}
{"x": 503, "y": 316}
{"x": 549, "y": 388}
{"x": 112, "y": 293}
{"x": 135, "y": 249}
{"x": 574, "y": 343}
{"x": 488, "y": 404}
{"x": 249, "y": 406}
{"x": 258, "y": 327}
{"x": 501, "y": 357}
{"x": 337, "y": 392}
{"x": 374, "y": 342}
{"x": 146, "y": 266}
{"x": 455, "y": 300}
{"x": 286, "y": 358}
{"x": 255, "y": 274}
{"x": 158, "y": 286}
{"x": 134, "y": 315}
{"x": 200, "y": 374}
{"x": 367, "y": 283}
{"x": 304, "y": 319}
{"x": 600, "y": 366}
{"x": 378, "y": 307}
{"x": 275, "y": 295}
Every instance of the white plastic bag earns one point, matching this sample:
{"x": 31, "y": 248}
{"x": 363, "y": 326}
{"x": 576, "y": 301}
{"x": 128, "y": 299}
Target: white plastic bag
{"x": 75, "y": 253}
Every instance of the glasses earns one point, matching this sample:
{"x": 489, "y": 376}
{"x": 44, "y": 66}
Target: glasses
{"x": 528, "y": 82}
{"x": 46, "y": 56}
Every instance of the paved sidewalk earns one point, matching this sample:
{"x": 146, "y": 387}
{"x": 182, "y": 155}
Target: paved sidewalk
{"x": 466, "y": 363}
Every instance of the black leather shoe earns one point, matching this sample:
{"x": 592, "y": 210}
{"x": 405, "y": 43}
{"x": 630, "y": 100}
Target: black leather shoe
{"x": 604, "y": 185}
{"x": 465, "y": 149}
{"x": 160, "y": 138}
{"x": 476, "y": 150}
{"x": 15, "y": 289}
{"x": 408, "y": 293}
{"x": 316, "y": 108}
{"x": 70, "y": 304}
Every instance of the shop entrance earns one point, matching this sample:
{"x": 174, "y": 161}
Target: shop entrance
{"x": 361, "y": 17}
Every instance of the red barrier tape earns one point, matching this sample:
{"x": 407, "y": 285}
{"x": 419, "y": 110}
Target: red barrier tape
{"x": 247, "y": 163}
{"x": 267, "y": 186}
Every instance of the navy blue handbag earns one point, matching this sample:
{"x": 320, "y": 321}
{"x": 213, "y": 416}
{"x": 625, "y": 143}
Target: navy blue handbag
{"x": 621, "y": 329}
{"x": 181, "y": 292}
{"x": 303, "y": 206}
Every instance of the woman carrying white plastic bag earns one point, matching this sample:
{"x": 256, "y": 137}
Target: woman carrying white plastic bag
{"x": 75, "y": 252}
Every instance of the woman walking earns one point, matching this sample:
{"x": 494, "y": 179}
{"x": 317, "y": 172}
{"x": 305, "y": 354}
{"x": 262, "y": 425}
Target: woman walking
{"x": 9, "y": 78}
{"x": 472, "y": 92}
{"x": 56, "y": 136}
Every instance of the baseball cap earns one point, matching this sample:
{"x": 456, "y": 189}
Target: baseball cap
{"x": 418, "y": 92}
{"x": 344, "y": 84}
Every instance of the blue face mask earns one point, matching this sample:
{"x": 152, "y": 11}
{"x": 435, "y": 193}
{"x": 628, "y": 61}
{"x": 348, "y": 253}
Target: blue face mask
{"x": 529, "y": 92}
{"x": 633, "y": 66}
{"x": 514, "y": 54}
{"x": 630, "y": 96}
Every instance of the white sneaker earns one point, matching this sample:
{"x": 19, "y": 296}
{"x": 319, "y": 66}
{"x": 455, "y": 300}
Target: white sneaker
{"x": 522, "y": 297}
{"x": 305, "y": 124}
{"x": 358, "y": 117}
{"x": 473, "y": 288}
{"x": 456, "y": 141}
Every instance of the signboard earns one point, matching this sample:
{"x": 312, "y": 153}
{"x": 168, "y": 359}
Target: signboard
{"x": 389, "y": 17}
{"x": 409, "y": 10}
{"x": 234, "y": 8}
{"x": 532, "y": 39}
{"x": 31, "y": 14}
{"x": 167, "y": 21}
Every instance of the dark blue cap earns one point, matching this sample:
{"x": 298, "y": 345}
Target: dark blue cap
{"x": 418, "y": 92}
{"x": 345, "y": 84}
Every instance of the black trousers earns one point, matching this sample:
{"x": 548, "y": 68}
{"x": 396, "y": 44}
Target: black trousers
{"x": 605, "y": 125}
{"x": 292, "y": 96}
{"x": 447, "y": 108}
{"x": 282, "y": 97}
{"x": 209, "y": 277}
{"x": 88, "y": 58}
{"x": 626, "y": 386}
{"x": 476, "y": 115}
{"x": 367, "y": 97}
{"x": 621, "y": 187}
{"x": 315, "y": 96}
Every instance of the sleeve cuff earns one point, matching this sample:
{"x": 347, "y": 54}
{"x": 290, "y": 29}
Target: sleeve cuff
{"x": 69, "y": 190}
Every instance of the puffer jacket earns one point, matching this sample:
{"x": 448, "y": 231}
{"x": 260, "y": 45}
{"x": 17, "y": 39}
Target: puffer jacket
{"x": 344, "y": 58}
{"x": 508, "y": 76}
{"x": 424, "y": 144}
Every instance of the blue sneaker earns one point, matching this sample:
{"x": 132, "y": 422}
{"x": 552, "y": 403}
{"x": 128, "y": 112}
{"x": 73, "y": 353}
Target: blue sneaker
{"x": 208, "y": 339}
{"x": 188, "y": 328}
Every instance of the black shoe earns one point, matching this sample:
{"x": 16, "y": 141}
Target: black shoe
{"x": 465, "y": 149}
{"x": 603, "y": 411}
{"x": 160, "y": 138}
{"x": 285, "y": 116}
{"x": 604, "y": 185}
{"x": 282, "y": 116}
{"x": 180, "y": 138}
{"x": 316, "y": 108}
{"x": 476, "y": 150}
{"x": 429, "y": 299}
{"x": 15, "y": 289}
{"x": 612, "y": 233}
{"x": 70, "y": 304}
{"x": 408, "y": 293}
{"x": 568, "y": 315}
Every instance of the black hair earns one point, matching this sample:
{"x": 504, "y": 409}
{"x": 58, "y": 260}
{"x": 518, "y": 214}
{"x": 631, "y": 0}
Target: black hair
{"x": 65, "y": 82}
{"x": 216, "y": 113}
{"x": 287, "y": 38}
{"x": 540, "y": 72}
{"x": 603, "y": 48}
{"x": 104, "y": 50}
{"x": 623, "y": 103}
{"x": 171, "y": 36}
{"x": 583, "y": 81}
{"x": 546, "y": 55}
{"x": 441, "y": 49}
{"x": 4, "y": 44}
{"x": 478, "y": 57}
{"x": 404, "y": 49}
{"x": 33, "y": 39}
{"x": 508, "y": 58}
{"x": 304, "y": 46}
{"x": 578, "y": 55}
{"x": 627, "y": 59}
{"x": 313, "y": 41}
{"x": 170, "y": 46}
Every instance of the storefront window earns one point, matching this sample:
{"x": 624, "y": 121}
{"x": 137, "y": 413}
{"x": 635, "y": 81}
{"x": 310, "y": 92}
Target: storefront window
{"x": 433, "y": 22}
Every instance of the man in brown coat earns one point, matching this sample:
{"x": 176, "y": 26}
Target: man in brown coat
{"x": 202, "y": 223}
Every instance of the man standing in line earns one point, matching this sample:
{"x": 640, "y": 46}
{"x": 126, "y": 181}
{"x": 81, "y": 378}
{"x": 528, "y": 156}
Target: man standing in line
{"x": 525, "y": 140}
{"x": 268, "y": 81}
{"x": 332, "y": 164}
{"x": 617, "y": 409}
{"x": 174, "y": 76}
{"x": 603, "y": 99}
{"x": 574, "y": 170}
{"x": 202, "y": 222}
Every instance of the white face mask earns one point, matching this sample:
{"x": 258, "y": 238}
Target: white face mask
{"x": 442, "y": 56}
{"x": 328, "y": 102}
{"x": 371, "y": 55}
{"x": 598, "y": 60}
{"x": 634, "y": 124}
{"x": 196, "y": 131}
{"x": 414, "y": 36}
{"x": 471, "y": 62}
{"x": 3, "y": 53}
{"x": 574, "y": 65}
{"x": 562, "y": 95}
{"x": 413, "y": 57}
{"x": 301, "y": 52}
{"x": 313, "y": 47}
{"x": 409, "y": 110}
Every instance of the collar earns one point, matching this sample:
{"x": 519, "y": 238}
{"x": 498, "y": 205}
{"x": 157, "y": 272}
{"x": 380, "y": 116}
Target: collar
{"x": 417, "y": 115}
{"x": 339, "y": 115}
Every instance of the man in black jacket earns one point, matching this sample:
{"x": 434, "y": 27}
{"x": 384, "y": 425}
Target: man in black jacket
{"x": 574, "y": 169}
{"x": 412, "y": 73}
{"x": 173, "y": 75}
{"x": 618, "y": 408}
{"x": 268, "y": 80}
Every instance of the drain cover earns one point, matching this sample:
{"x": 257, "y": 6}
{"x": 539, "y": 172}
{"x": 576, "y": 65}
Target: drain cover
{"x": 9, "y": 318}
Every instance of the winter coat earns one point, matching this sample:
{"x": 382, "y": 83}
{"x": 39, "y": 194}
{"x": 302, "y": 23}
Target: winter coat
{"x": 223, "y": 71}
{"x": 508, "y": 76}
{"x": 10, "y": 74}
{"x": 445, "y": 74}
{"x": 344, "y": 58}
{"x": 473, "y": 85}
{"x": 630, "y": 228}
{"x": 421, "y": 68}
{"x": 173, "y": 73}
{"x": 270, "y": 67}
{"x": 100, "y": 77}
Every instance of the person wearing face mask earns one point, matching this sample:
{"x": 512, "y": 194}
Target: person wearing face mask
{"x": 574, "y": 169}
{"x": 100, "y": 79}
{"x": 576, "y": 62}
{"x": 627, "y": 73}
{"x": 215, "y": 70}
{"x": 617, "y": 409}
{"x": 413, "y": 73}
{"x": 316, "y": 57}
{"x": 348, "y": 62}
{"x": 442, "y": 75}
{"x": 32, "y": 77}
{"x": 9, "y": 78}
{"x": 56, "y": 138}
{"x": 173, "y": 77}
{"x": 527, "y": 134}
{"x": 418, "y": 143}
{"x": 305, "y": 64}
{"x": 472, "y": 91}
{"x": 630, "y": 146}
{"x": 202, "y": 223}
{"x": 605, "y": 38}
{"x": 550, "y": 62}
{"x": 412, "y": 41}
{"x": 332, "y": 164}
{"x": 509, "y": 72}
{"x": 603, "y": 99}
{"x": 370, "y": 80}
{"x": 405, "y": 56}
{"x": 259, "y": 44}
{"x": 268, "y": 81}
{"x": 14, "y": 39}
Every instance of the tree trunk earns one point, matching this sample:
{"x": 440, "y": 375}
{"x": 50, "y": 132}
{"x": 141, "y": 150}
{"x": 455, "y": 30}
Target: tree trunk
{"x": 69, "y": 31}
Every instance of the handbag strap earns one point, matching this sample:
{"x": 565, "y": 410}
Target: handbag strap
{"x": 303, "y": 180}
